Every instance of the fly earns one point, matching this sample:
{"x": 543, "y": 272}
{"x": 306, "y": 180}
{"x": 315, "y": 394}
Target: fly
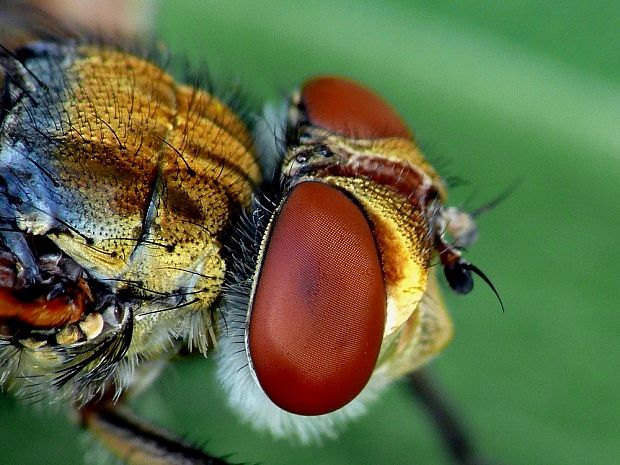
{"x": 135, "y": 222}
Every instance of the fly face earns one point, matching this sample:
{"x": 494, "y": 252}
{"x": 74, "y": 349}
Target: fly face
{"x": 338, "y": 297}
{"x": 116, "y": 186}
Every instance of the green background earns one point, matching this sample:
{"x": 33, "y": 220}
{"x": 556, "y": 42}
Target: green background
{"x": 501, "y": 92}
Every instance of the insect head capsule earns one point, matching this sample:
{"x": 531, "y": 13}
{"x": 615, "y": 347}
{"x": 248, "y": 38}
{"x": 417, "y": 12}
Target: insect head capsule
{"x": 328, "y": 322}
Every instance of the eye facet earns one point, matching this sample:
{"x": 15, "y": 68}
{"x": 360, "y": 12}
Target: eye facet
{"x": 347, "y": 108}
{"x": 318, "y": 312}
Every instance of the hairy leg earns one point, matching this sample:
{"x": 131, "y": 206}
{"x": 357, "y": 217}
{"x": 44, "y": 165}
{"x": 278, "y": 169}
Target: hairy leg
{"x": 135, "y": 442}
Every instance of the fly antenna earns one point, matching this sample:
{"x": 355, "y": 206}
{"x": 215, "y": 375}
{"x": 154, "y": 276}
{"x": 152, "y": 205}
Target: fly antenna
{"x": 478, "y": 271}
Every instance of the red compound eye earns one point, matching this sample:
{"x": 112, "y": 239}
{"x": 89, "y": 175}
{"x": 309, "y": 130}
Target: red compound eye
{"x": 347, "y": 108}
{"x": 318, "y": 313}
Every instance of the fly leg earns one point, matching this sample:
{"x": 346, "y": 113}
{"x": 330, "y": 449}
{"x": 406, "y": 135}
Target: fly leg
{"x": 136, "y": 442}
{"x": 132, "y": 439}
{"x": 452, "y": 431}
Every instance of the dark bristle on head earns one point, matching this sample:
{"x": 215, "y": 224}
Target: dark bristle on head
{"x": 490, "y": 205}
{"x": 241, "y": 250}
{"x": 243, "y": 243}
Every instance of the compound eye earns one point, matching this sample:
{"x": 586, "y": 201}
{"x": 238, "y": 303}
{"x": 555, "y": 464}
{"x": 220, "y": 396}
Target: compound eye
{"x": 347, "y": 108}
{"x": 318, "y": 313}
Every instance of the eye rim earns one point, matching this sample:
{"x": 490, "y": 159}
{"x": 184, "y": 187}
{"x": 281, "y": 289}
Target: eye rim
{"x": 255, "y": 278}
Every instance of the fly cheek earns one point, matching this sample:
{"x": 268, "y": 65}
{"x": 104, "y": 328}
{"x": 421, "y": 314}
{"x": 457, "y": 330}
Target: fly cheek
{"x": 317, "y": 315}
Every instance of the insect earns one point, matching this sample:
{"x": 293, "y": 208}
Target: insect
{"x": 136, "y": 223}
